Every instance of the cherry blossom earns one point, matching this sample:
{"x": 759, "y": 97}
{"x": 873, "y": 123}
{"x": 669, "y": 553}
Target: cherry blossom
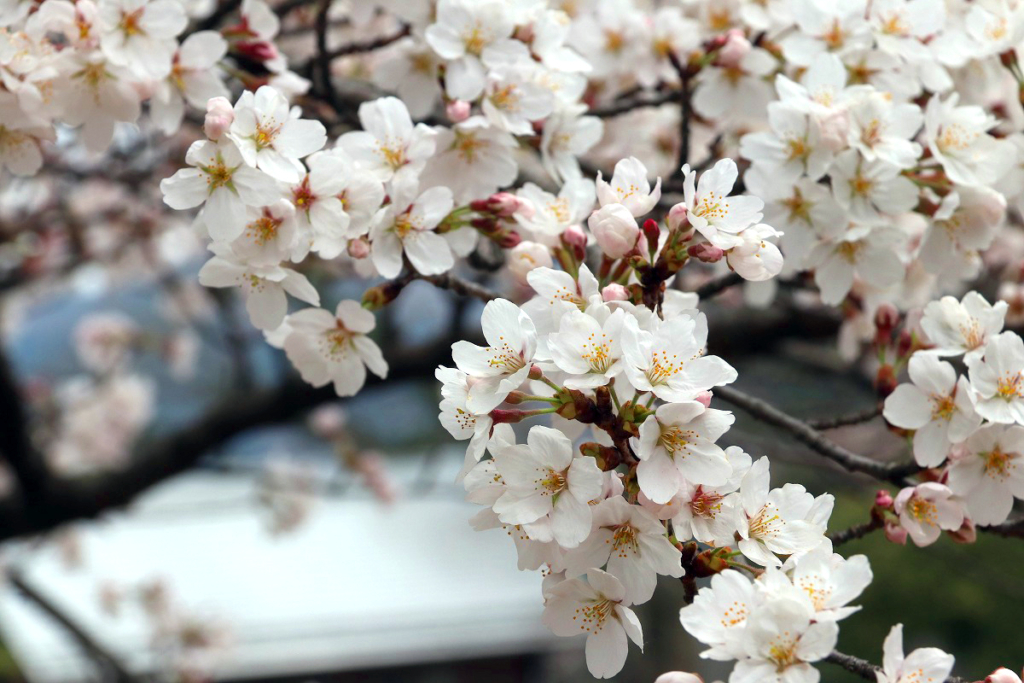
{"x": 921, "y": 664}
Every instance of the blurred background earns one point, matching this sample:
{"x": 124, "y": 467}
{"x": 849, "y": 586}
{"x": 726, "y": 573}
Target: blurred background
{"x": 337, "y": 547}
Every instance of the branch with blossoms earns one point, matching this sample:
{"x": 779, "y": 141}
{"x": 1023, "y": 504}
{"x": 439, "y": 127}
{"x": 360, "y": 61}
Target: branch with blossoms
{"x": 828, "y": 143}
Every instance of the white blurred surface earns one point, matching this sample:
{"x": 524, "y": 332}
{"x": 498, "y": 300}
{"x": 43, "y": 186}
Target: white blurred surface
{"x": 357, "y": 585}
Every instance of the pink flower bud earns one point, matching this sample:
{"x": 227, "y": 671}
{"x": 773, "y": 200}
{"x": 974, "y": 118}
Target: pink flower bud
{"x": 735, "y": 49}
{"x": 503, "y": 204}
{"x": 679, "y": 218}
{"x": 219, "y": 116}
{"x": 526, "y": 256}
{"x": 895, "y": 533}
{"x": 359, "y": 248}
{"x": 258, "y": 50}
{"x": 328, "y": 421}
{"x": 883, "y": 499}
{"x": 834, "y": 128}
{"x": 678, "y": 677}
{"x": 1002, "y": 675}
{"x": 704, "y": 398}
{"x": 526, "y": 208}
{"x": 965, "y": 534}
{"x": 457, "y": 110}
{"x": 706, "y": 252}
{"x": 614, "y": 292}
{"x": 575, "y": 237}
{"x": 615, "y": 230}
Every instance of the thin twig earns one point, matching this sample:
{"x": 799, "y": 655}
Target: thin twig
{"x": 718, "y": 285}
{"x": 685, "y": 75}
{"x": 854, "y": 462}
{"x": 854, "y": 532}
{"x": 86, "y": 641}
{"x": 866, "y": 669}
{"x": 369, "y": 45}
{"x": 846, "y": 420}
{"x": 634, "y": 103}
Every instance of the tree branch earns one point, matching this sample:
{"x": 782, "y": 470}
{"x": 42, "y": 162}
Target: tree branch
{"x": 854, "y": 462}
{"x": 856, "y": 531}
{"x": 718, "y": 285}
{"x": 867, "y": 670}
{"x": 86, "y": 641}
{"x": 633, "y": 103}
{"x": 846, "y": 420}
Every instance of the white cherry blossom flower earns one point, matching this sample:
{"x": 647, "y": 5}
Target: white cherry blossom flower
{"x": 548, "y": 489}
{"x": 629, "y": 187}
{"x": 707, "y": 513}
{"x": 328, "y": 348}
{"x": 512, "y": 102}
{"x": 718, "y": 615}
{"x": 139, "y": 34}
{"x": 597, "y": 608}
{"x": 712, "y": 212}
{"x": 389, "y": 146}
{"x": 862, "y": 251}
{"x": 677, "y": 445}
{"x": 830, "y": 582}
{"x": 269, "y": 235}
{"x": 773, "y": 520}
{"x": 989, "y": 474}
{"x": 473, "y": 158}
{"x": 633, "y": 545}
{"x": 782, "y": 641}
{"x": 998, "y": 379}
{"x": 964, "y": 225}
{"x": 461, "y": 422}
{"x": 938, "y": 406}
{"x": 735, "y": 89}
{"x": 220, "y": 178}
{"x": 962, "y": 327}
{"x": 957, "y": 137}
{"x": 264, "y": 287}
{"x": 756, "y": 258}
{"x": 504, "y": 364}
{"x": 588, "y": 349}
{"x": 471, "y": 36}
{"x": 552, "y": 215}
{"x": 926, "y": 510}
{"x": 880, "y": 129}
{"x": 923, "y": 664}
{"x": 826, "y": 27}
{"x": 95, "y": 93}
{"x": 269, "y": 138}
{"x": 566, "y": 136}
{"x": 406, "y": 226}
{"x": 871, "y": 190}
{"x": 669, "y": 361}
{"x": 792, "y": 148}
{"x": 193, "y": 79}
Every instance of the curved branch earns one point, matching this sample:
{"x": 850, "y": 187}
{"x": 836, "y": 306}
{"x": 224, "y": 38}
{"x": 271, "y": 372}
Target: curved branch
{"x": 718, "y": 285}
{"x": 854, "y": 462}
{"x": 847, "y": 420}
{"x": 866, "y": 669}
{"x": 856, "y": 531}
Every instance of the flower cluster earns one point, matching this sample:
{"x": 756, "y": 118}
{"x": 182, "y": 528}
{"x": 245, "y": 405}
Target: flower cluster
{"x": 968, "y": 429}
{"x": 648, "y": 484}
{"x": 92, "y": 64}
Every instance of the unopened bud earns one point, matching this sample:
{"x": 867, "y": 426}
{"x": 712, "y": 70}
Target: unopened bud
{"x": 258, "y": 50}
{"x": 457, "y": 110}
{"x": 678, "y": 677}
{"x": 500, "y": 204}
{"x": 606, "y": 457}
{"x": 904, "y": 344}
{"x": 573, "y": 236}
{"x": 678, "y": 220}
{"x": 509, "y": 239}
{"x": 736, "y": 47}
{"x": 615, "y": 292}
{"x": 1002, "y": 675}
{"x": 709, "y": 563}
{"x": 359, "y": 248}
{"x": 885, "y": 381}
{"x": 883, "y": 499}
{"x": 219, "y": 117}
{"x": 535, "y": 372}
{"x": 887, "y": 317}
{"x": 651, "y": 231}
{"x": 525, "y": 257}
{"x": 706, "y": 253}
{"x": 965, "y": 534}
{"x": 895, "y": 533}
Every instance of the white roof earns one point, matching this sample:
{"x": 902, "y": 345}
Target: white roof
{"x": 357, "y": 585}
